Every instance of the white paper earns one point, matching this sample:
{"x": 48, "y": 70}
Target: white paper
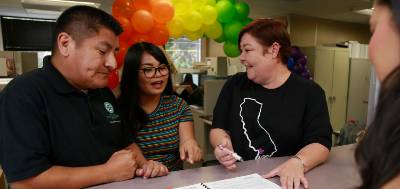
{"x": 253, "y": 181}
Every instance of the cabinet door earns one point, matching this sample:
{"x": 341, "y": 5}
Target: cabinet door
{"x": 323, "y": 71}
{"x": 339, "y": 88}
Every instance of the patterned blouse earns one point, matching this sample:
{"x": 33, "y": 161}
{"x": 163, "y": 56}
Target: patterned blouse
{"x": 159, "y": 138}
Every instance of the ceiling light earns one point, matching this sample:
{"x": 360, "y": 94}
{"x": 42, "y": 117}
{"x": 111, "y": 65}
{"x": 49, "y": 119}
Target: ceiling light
{"x": 364, "y": 11}
{"x": 59, "y": 3}
{"x": 43, "y": 12}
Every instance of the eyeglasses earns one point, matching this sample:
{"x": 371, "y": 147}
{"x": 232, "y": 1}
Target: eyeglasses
{"x": 150, "y": 72}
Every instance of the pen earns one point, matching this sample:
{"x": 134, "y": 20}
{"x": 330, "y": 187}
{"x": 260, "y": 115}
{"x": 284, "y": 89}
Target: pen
{"x": 234, "y": 154}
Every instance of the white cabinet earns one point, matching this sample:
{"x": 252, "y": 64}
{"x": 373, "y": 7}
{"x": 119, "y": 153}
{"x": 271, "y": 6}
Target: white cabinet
{"x": 330, "y": 69}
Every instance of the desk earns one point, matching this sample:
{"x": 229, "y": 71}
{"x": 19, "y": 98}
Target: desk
{"x": 339, "y": 172}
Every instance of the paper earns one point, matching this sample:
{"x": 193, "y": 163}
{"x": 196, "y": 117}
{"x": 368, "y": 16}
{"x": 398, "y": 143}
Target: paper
{"x": 253, "y": 181}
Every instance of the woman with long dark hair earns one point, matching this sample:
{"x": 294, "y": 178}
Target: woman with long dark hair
{"x": 378, "y": 154}
{"x": 162, "y": 123}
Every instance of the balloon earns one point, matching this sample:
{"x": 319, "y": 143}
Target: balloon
{"x": 142, "y": 21}
{"x": 183, "y": 6}
{"x": 195, "y": 35}
{"x": 209, "y": 14}
{"x": 120, "y": 57}
{"x": 211, "y": 3}
{"x": 139, "y": 38}
{"x": 162, "y": 11}
{"x": 232, "y": 1}
{"x": 175, "y": 27}
{"x": 247, "y": 21}
{"x": 226, "y": 11}
{"x": 113, "y": 79}
{"x": 220, "y": 39}
{"x": 213, "y": 31}
{"x": 192, "y": 21}
{"x": 125, "y": 24}
{"x": 231, "y": 49}
{"x": 122, "y": 8}
{"x": 198, "y": 4}
{"x": 142, "y": 4}
{"x": 232, "y": 30}
{"x": 242, "y": 10}
{"x": 159, "y": 35}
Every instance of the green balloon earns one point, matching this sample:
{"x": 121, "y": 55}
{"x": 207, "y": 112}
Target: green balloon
{"x": 242, "y": 10}
{"x": 231, "y": 49}
{"x": 220, "y": 39}
{"x": 232, "y": 1}
{"x": 247, "y": 21}
{"x": 232, "y": 30}
{"x": 226, "y": 11}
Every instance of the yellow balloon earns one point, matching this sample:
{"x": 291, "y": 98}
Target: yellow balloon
{"x": 213, "y": 31}
{"x": 182, "y": 6}
{"x": 209, "y": 14}
{"x": 198, "y": 4}
{"x": 175, "y": 27}
{"x": 195, "y": 34}
{"x": 192, "y": 21}
{"x": 211, "y": 2}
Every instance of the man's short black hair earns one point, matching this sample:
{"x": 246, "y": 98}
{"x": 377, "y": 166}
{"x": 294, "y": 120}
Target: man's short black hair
{"x": 82, "y": 22}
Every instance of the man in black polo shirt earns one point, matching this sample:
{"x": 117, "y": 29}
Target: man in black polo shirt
{"x": 59, "y": 124}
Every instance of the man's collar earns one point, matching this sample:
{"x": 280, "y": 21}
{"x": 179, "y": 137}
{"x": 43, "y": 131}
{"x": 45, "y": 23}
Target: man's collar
{"x": 57, "y": 80}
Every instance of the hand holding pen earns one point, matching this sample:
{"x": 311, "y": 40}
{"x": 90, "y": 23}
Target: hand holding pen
{"x": 226, "y": 157}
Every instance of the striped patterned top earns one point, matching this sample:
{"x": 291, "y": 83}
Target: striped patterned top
{"x": 159, "y": 138}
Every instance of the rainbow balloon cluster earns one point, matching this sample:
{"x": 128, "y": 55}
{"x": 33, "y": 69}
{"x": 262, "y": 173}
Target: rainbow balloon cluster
{"x": 156, "y": 21}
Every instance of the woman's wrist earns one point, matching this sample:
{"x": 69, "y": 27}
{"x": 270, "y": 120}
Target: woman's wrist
{"x": 298, "y": 158}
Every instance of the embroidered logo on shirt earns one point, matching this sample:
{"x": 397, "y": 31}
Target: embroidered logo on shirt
{"x": 108, "y": 106}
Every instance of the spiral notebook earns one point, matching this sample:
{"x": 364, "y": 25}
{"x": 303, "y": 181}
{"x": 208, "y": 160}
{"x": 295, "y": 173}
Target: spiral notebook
{"x": 253, "y": 181}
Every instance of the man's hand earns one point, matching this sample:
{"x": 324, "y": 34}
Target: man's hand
{"x": 121, "y": 166}
{"x": 152, "y": 169}
{"x": 190, "y": 151}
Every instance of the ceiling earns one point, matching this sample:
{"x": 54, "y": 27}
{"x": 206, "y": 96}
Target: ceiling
{"x": 329, "y": 9}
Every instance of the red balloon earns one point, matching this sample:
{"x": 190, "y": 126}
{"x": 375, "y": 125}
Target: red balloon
{"x": 162, "y": 10}
{"x": 138, "y": 37}
{"x": 142, "y": 21}
{"x": 125, "y": 24}
{"x": 159, "y": 35}
{"x": 113, "y": 79}
{"x": 123, "y": 8}
{"x": 142, "y": 4}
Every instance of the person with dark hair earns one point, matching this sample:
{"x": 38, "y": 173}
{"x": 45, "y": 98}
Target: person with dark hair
{"x": 60, "y": 126}
{"x": 270, "y": 112}
{"x": 162, "y": 123}
{"x": 377, "y": 154}
{"x": 186, "y": 88}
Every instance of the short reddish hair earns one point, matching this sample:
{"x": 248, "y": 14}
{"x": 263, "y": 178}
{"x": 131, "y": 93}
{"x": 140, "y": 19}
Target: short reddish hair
{"x": 268, "y": 31}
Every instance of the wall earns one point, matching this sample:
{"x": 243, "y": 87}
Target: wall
{"x": 310, "y": 31}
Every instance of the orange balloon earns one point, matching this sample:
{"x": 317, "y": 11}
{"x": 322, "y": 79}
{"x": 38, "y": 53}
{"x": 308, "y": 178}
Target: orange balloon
{"x": 142, "y": 21}
{"x": 159, "y": 35}
{"x": 122, "y": 8}
{"x": 142, "y": 4}
{"x": 125, "y": 24}
{"x": 162, "y": 10}
{"x": 139, "y": 38}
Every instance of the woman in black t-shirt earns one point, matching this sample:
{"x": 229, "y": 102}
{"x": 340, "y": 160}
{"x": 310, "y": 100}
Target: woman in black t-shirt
{"x": 269, "y": 112}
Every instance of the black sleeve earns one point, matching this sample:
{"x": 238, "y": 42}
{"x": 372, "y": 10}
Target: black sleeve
{"x": 24, "y": 146}
{"x": 317, "y": 127}
{"x": 223, "y": 106}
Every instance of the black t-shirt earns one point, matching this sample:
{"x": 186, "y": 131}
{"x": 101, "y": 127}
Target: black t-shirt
{"x": 45, "y": 121}
{"x": 272, "y": 122}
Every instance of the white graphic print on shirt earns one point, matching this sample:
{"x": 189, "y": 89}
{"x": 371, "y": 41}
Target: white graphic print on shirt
{"x": 244, "y": 115}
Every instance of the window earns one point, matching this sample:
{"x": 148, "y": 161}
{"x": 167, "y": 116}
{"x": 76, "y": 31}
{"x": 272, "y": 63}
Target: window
{"x": 184, "y": 52}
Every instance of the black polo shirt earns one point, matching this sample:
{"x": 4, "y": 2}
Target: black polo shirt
{"x": 45, "y": 121}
